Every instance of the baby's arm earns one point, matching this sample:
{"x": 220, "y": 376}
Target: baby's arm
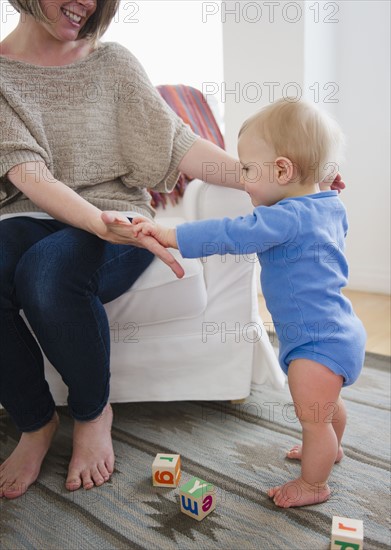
{"x": 166, "y": 236}
{"x": 268, "y": 226}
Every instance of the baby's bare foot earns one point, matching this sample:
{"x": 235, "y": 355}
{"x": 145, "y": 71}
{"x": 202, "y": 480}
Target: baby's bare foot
{"x": 92, "y": 460}
{"x": 296, "y": 451}
{"x": 22, "y": 467}
{"x": 299, "y": 493}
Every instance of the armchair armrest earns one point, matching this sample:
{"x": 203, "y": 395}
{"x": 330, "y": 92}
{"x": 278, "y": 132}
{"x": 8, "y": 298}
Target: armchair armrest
{"x": 204, "y": 200}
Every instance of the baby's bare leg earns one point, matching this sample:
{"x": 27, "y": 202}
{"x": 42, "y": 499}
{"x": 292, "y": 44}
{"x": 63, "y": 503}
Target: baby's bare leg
{"x": 315, "y": 391}
{"x": 338, "y": 422}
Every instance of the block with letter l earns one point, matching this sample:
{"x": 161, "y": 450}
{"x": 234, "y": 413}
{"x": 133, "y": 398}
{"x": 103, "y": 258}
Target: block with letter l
{"x": 347, "y": 534}
{"x": 197, "y": 498}
{"x": 166, "y": 470}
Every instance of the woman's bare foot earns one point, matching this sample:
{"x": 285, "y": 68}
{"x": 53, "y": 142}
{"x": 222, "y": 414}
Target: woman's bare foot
{"x": 295, "y": 453}
{"x": 92, "y": 460}
{"x": 22, "y": 467}
{"x": 299, "y": 493}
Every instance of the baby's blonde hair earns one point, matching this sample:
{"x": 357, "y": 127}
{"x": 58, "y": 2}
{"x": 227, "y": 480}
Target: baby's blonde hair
{"x": 298, "y": 130}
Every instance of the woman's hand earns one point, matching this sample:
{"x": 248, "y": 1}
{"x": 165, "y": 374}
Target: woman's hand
{"x": 117, "y": 229}
{"x": 121, "y": 231}
{"x": 336, "y": 185}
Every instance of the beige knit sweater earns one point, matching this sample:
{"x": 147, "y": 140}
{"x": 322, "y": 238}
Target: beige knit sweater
{"x": 98, "y": 124}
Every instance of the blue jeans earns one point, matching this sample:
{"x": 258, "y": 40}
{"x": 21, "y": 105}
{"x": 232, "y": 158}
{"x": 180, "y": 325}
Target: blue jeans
{"x": 60, "y": 276}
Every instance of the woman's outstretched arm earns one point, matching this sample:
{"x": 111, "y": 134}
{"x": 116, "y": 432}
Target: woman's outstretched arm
{"x": 60, "y": 201}
{"x": 208, "y": 162}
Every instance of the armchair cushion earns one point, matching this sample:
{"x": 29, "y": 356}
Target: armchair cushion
{"x": 159, "y": 297}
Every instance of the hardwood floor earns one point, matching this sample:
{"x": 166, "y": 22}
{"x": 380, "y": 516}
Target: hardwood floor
{"x": 374, "y": 312}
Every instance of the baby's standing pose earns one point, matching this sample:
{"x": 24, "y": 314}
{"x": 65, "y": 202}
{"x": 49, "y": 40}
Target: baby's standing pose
{"x": 298, "y": 233}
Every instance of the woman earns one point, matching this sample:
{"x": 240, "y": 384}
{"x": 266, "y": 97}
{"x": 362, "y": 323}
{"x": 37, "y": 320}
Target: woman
{"x": 84, "y": 133}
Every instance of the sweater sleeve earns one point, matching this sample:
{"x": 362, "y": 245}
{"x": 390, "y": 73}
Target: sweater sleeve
{"x": 153, "y": 138}
{"x": 17, "y": 146}
{"x": 266, "y": 227}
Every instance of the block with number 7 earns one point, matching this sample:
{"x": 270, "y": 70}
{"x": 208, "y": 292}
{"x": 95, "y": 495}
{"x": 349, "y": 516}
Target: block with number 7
{"x": 197, "y": 498}
{"x": 166, "y": 470}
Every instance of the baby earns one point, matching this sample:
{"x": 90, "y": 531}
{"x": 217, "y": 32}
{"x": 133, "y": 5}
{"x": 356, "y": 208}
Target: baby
{"x": 298, "y": 233}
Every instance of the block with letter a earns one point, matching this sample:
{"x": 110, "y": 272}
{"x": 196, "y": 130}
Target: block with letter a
{"x": 166, "y": 470}
{"x": 197, "y": 498}
{"x": 347, "y": 534}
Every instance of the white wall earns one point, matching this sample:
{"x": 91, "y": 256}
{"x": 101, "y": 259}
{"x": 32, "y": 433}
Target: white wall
{"x": 337, "y": 53}
{"x": 171, "y": 40}
{"x": 364, "y": 113}
{"x": 263, "y": 54}
{"x": 322, "y": 25}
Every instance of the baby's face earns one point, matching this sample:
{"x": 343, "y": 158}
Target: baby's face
{"x": 258, "y": 169}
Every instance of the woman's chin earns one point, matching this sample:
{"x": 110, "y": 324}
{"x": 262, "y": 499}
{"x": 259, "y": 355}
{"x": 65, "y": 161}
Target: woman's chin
{"x": 68, "y": 33}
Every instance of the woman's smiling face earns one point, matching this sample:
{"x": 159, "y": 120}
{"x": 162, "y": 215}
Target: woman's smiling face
{"x": 66, "y": 17}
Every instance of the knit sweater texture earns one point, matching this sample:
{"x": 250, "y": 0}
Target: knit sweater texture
{"x": 98, "y": 124}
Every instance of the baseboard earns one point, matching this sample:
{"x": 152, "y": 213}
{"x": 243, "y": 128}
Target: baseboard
{"x": 369, "y": 279}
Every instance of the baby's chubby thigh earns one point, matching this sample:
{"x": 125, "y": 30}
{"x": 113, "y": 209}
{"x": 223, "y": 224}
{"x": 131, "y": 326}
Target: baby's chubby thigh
{"x": 315, "y": 390}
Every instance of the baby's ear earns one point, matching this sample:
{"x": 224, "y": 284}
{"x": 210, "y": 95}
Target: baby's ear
{"x": 285, "y": 170}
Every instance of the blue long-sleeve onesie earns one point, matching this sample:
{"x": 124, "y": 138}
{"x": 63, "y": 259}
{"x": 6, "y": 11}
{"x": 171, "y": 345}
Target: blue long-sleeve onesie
{"x": 300, "y": 244}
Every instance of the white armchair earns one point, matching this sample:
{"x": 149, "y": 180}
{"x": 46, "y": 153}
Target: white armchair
{"x": 198, "y": 338}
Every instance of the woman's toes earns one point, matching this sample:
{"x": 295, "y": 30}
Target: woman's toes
{"x": 87, "y": 480}
{"x": 104, "y": 472}
{"x": 13, "y": 490}
{"x": 97, "y": 477}
{"x": 73, "y": 481}
{"x": 109, "y": 464}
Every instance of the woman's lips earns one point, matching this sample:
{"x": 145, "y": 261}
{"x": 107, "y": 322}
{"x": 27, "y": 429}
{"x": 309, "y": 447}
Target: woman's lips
{"x": 73, "y": 19}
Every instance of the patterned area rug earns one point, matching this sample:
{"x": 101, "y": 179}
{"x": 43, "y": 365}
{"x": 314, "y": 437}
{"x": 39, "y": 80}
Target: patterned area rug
{"x": 239, "y": 448}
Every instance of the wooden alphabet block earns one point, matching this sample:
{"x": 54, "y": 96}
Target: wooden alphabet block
{"x": 197, "y": 498}
{"x": 347, "y": 534}
{"x": 166, "y": 470}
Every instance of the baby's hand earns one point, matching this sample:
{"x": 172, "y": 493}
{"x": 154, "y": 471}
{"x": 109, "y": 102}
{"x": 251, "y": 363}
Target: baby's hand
{"x": 119, "y": 230}
{"x": 164, "y": 235}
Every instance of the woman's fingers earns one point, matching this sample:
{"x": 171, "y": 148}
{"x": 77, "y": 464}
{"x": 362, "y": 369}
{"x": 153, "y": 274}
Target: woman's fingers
{"x": 112, "y": 217}
{"x": 156, "y": 248}
{"x": 123, "y": 232}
